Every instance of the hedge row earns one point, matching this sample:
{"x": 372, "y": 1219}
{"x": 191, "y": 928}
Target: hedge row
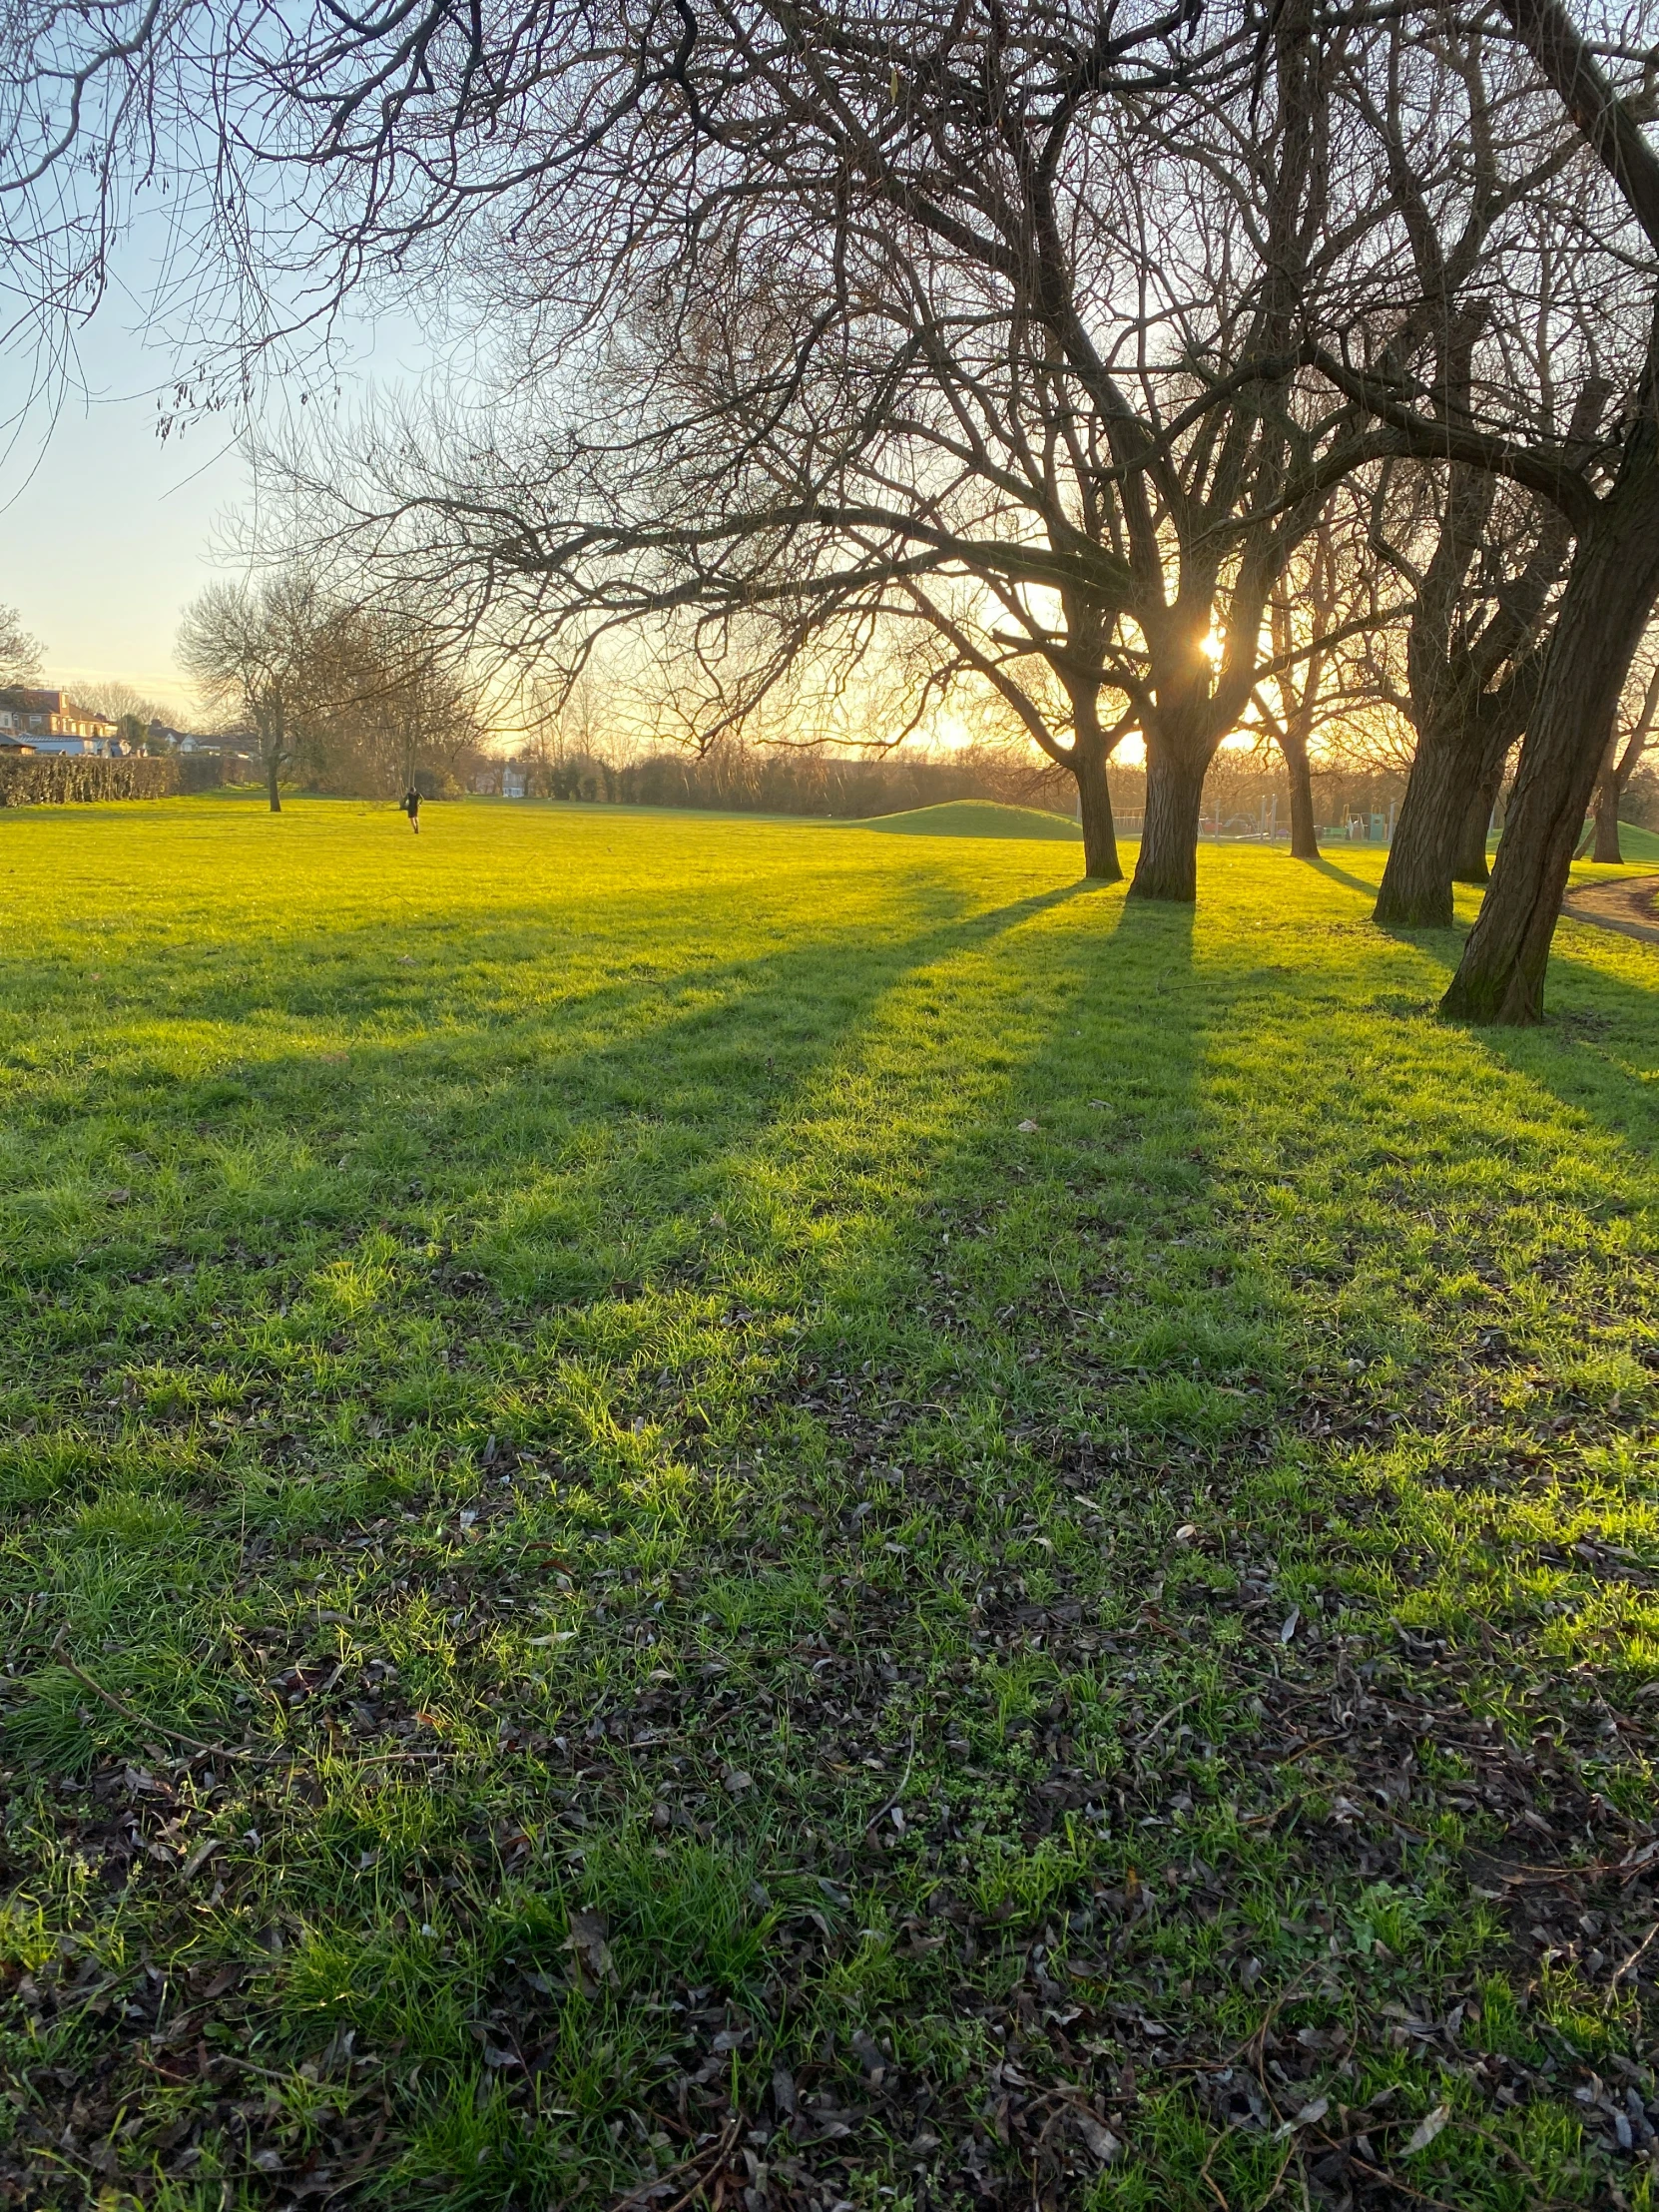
{"x": 66, "y": 778}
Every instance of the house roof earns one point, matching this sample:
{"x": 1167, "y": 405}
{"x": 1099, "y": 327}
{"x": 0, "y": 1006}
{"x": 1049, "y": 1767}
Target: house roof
{"x": 35, "y": 699}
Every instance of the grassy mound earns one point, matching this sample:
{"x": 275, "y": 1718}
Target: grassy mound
{"x": 974, "y": 818}
{"x": 782, "y": 1520}
{"x": 1640, "y": 845}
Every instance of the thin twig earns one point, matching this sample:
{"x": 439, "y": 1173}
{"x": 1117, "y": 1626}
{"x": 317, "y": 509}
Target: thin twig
{"x": 719, "y": 2154}
{"x": 137, "y": 1719}
{"x": 1284, "y": 1805}
{"x": 1398, "y": 2181}
{"x": 1159, "y": 1726}
{"x": 1636, "y": 1955}
{"x": 1319, "y": 1743}
{"x": 155, "y": 1728}
{"x": 881, "y": 1812}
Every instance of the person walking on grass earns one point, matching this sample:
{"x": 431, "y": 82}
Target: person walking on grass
{"x": 412, "y": 806}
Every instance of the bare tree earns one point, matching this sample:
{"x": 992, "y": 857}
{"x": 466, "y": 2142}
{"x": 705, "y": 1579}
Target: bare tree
{"x": 933, "y": 353}
{"x": 254, "y": 650}
{"x": 390, "y": 708}
{"x": 1611, "y": 588}
{"x": 1608, "y": 494}
{"x": 1474, "y": 659}
{"x": 1497, "y": 270}
{"x": 19, "y": 652}
{"x": 131, "y": 710}
{"x": 1090, "y": 249}
{"x": 1327, "y": 621}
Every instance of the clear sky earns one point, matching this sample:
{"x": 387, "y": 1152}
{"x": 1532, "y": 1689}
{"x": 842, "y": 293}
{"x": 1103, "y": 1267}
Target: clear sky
{"x": 106, "y": 530}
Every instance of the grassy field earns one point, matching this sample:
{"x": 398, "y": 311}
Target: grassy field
{"x": 716, "y": 1513}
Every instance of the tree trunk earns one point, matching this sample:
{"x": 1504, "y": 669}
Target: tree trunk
{"x": 1168, "y": 866}
{"x": 1305, "y": 843}
{"x": 1610, "y": 592}
{"x": 1607, "y": 815}
{"x": 1415, "y": 892}
{"x": 1470, "y": 865}
{"x": 271, "y": 768}
{"x": 1094, "y": 810}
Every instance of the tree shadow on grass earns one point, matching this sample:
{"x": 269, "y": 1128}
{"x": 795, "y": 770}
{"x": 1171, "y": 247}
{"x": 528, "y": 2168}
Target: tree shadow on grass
{"x": 901, "y": 1248}
{"x": 619, "y": 1088}
{"x": 1335, "y": 875}
{"x": 1597, "y": 1048}
{"x": 1070, "y": 1094}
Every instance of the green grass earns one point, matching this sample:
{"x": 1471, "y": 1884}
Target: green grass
{"x": 976, "y": 818}
{"x": 877, "y": 1522}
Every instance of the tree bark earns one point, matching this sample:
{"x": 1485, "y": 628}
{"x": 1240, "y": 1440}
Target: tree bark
{"x": 271, "y": 769}
{"x": 1094, "y": 807}
{"x": 1470, "y": 865}
{"x": 1472, "y": 690}
{"x": 1304, "y": 842}
{"x": 1168, "y": 866}
{"x": 1607, "y": 813}
{"x": 1611, "y": 588}
{"x": 1415, "y": 892}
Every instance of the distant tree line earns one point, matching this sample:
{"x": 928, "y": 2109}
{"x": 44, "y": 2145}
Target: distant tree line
{"x": 734, "y": 776}
{"x": 1243, "y": 789}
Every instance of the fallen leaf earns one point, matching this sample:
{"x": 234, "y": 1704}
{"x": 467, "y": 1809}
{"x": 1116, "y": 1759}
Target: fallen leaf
{"x": 1103, "y": 2144}
{"x": 1315, "y": 2110}
{"x": 1289, "y": 1627}
{"x": 736, "y": 1781}
{"x": 201, "y": 1855}
{"x": 1027, "y": 1128}
{"x": 116, "y": 1198}
{"x": 221, "y": 1983}
{"x": 868, "y": 2053}
{"x": 1425, "y": 2130}
{"x": 587, "y": 1938}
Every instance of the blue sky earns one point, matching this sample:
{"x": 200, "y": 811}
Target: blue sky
{"x": 106, "y": 530}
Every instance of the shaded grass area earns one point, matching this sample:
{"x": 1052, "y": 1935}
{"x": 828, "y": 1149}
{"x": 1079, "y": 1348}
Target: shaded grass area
{"x": 692, "y": 1508}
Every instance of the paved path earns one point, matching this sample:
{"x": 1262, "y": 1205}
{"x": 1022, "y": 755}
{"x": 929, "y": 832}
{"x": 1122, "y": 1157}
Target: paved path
{"x": 1626, "y": 907}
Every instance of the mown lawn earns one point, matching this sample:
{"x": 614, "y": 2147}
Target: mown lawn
{"x": 726, "y": 1513}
